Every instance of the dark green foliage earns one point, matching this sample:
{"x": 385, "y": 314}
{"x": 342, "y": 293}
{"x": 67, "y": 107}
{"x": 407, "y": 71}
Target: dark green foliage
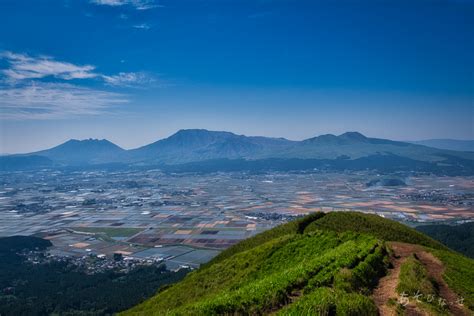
{"x": 19, "y": 243}
{"x": 459, "y": 237}
{"x": 305, "y": 221}
{"x": 58, "y": 288}
{"x": 374, "y": 225}
{"x": 42, "y": 290}
{"x": 366, "y": 274}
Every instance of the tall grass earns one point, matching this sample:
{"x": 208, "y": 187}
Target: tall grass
{"x": 322, "y": 264}
{"x": 294, "y": 227}
{"x": 459, "y": 275}
{"x": 414, "y": 279}
{"x": 374, "y": 225}
{"x": 328, "y": 301}
{"x": 263, "y": 278}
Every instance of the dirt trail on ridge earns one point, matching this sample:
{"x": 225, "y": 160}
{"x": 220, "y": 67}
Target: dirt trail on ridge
{"x": 386, "y": 288}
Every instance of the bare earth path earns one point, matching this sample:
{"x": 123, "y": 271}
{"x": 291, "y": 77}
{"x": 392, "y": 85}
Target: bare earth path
{"x": 386, "y": 288}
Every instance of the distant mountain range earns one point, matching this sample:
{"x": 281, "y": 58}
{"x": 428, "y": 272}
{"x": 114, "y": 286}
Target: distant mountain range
{"x": 89, "y": 151}
{"x": 450, "y": 144}
{"x": 203, "y": 150}
{"x": 199, "y": 145}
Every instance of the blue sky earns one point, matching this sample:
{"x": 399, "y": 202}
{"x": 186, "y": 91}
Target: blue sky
{"x": 134, "y": 71}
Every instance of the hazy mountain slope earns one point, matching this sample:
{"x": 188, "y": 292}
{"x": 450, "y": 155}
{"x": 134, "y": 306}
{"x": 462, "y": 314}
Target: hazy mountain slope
{"x": 197, "y": 145}
{"x": 16, "y": 162}
{"x": 189, "y": 146}
{"x": 198, "y": 150}
{"x": 450, "y": 144}
{"x": 320, "y": 264}
{"x": 355, "y": 145}
{"x": 84, "y": 151}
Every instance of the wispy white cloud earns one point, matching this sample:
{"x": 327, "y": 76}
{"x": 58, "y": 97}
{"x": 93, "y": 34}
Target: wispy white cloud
{"x": 142, "y": 26}
{"x": 41, "y": 100}
{"x": 113, "y": 3}
{"x": 128, "y": 79}
{"x": 39, "y": 87}
{"x": 137, "y": 4}
{"x": 24, "y": 67}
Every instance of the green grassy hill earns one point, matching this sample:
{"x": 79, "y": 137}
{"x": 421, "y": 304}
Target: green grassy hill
{"x": 318, "y": 265}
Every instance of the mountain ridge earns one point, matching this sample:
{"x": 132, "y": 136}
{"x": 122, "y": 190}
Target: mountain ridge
{"x": 337, "y": 263}
{"x": 199, "y": 146}
{"x": 450, "y": 144}
{"x": 90, "y": 150}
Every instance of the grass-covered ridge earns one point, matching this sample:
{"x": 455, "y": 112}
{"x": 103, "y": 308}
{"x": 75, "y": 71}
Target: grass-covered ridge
{"x": 265, "y": 278}
{"x": 319, "y": 264}
{"x": 294, "y": 227}
{"x": 385, "y": 229}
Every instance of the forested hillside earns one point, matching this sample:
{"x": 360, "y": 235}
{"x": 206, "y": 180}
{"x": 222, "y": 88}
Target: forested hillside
{"x": 456, "y": 237}
{"x": 58, "y": 288}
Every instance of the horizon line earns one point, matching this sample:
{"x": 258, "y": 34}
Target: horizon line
{"x": 223, "y": 131}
